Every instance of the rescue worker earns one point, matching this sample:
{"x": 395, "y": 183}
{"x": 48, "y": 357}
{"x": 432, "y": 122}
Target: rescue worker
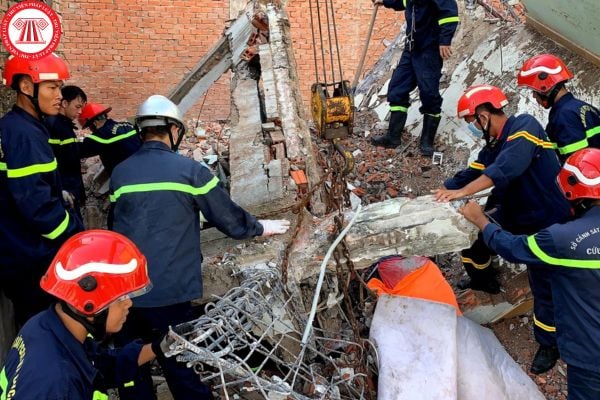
{"x": 572, "y": 250}
{"x": 63, "y": 140}
{"x": 55, "y": 356}
{"x": 430, "y": 26}
{"x": 34, "y": 221}
{"x": 157, "y": 197}
{"x": 524, "y": 172}
{"x": 572, "y": 124}
{"x": 477, "y": 259}
{"x": 113, "y": 141}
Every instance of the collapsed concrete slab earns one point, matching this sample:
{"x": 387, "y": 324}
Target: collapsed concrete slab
{"x": 419, "y": 226}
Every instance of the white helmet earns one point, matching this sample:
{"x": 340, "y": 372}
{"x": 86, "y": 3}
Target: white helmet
{"x": 158, "y": 110}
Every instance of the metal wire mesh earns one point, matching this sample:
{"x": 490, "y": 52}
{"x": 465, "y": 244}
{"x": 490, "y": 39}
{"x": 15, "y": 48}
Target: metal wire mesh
{"x": 249, "y": 341}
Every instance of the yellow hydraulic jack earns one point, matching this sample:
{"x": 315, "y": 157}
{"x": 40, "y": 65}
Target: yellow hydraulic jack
{"x": 334, "y": 116}
{"x": 331, "y": 97}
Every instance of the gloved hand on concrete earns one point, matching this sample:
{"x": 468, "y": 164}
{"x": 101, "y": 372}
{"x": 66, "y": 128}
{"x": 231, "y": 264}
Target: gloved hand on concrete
{"x": 274, "y": 226}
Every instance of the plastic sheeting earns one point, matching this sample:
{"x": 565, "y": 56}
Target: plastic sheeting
{"x": 427, "y": 352}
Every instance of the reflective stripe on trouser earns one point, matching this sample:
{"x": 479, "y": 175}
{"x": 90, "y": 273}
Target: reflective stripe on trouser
{"x": 544, "y": 328}
{"x": 477, "y": 260}
{"x": 422, "y": 69}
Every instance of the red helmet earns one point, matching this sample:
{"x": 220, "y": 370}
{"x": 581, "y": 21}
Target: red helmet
{"x": 90, "y": 111}
{"x": 579, "y": 178}
{"x": 94, "y": 268}
{"x": 478, "y": 95}
{"x": 542, "y": 72}
{"x": 49, "y": 68}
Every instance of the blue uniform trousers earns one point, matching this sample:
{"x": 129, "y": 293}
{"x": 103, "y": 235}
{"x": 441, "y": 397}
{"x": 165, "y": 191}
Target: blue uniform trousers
{"x": 544, "y": 327}
{"x": 422, "y": 69}
{"x": 583, "y": 384}
{"x": 150, "y": 324}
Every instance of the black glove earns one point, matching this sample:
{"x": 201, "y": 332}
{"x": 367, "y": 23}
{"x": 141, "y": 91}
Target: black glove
{"x": 161, "y": 346}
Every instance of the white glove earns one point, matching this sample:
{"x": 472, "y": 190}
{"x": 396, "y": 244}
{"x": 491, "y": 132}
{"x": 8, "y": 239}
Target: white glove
{"x": 274, "y": 226}
{"x": 68, "y": 198}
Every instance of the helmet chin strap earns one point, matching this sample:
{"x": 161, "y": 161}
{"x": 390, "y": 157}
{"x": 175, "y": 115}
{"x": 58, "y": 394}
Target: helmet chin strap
{"x": 548, "y": 99}
{"x": 34, "y": 99}
{"x": 97, "y": 327}
{"x": 486, "y": 131}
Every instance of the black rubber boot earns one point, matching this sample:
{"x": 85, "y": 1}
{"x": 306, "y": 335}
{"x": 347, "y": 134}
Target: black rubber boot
{"x": 545, "y": 358}
{"x": 393, "y": 137}
{"x": 489, "y": 285}
{"x": 430, "y": 126}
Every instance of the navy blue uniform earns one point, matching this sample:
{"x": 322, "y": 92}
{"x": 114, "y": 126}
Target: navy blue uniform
{"x": 157, "y": 196}
{"x": 572, "y": 251}
{"x": 429, "y": 24}
{"x": 47, "y": 362}
{"x": 114, "y": 142}
{"x": 478, "y": 258}
{"x": 66, "y": 150}
{"x": 525, "y": 170}
{"x": 573, "y": 125}
{"x": 34, "y": 222}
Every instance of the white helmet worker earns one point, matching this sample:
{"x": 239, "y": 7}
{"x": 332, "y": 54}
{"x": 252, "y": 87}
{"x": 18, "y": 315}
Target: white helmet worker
{"x": 159, "y": 111}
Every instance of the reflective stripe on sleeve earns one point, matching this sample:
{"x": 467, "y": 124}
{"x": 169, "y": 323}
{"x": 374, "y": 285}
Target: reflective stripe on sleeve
{"x": 573, "y": 147}
{"x": 165, "y": 186}
{"x": 29, "y": 170}
{"x": 564, "y": 262}
{"x": 62, "y": 142}
{"x": 477, "y": 166}
{"x": 448, "y": 20}
{"x": 533, "y": 139}
{"x": 592, "y": 132}
{"x": 99, "y": 396}
{"x": 113, "y": 139}
{"x": 59, "y": 229}
{"x": 3, "y": 384}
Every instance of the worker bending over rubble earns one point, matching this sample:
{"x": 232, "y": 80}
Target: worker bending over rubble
{"x": 157, "y": 197}
{"x": 34, "y": 221}
{"x": 113, "y": 141}
{"x": 572, "y": 251}
{"x": 524, "y": 174}
{"x": 56, "y": 355}
{"x": 572, "y": 124}
{"x": 430, "y": 26}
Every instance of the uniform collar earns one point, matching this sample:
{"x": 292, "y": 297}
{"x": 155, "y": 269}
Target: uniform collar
{"x": 71, "y": 345}
{"x": 156, "y": 144}
{"x": 563, "y": 100}
{"x": 506, "y": 129}
{"x": 18, "y": 110}
{"x": 66, "y": 120}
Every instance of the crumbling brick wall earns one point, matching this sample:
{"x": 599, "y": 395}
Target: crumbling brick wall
{"x": 120, "y": 52}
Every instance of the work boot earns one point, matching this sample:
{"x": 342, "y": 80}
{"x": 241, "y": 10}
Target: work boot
{"x": 393, "y": 137}
{"x": 430, "y": 126}
{"x": 489, "y": 285}
{"x": 544, "y": 359}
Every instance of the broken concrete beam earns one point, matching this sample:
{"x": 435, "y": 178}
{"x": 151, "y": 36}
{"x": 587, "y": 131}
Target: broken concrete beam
{"x": 420, "y": 226}
{"x": 268, "y": 82}
{"x": 248, "y": 178}
{"x": 299, "y": 145}
{"x": 224, "y": 54}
